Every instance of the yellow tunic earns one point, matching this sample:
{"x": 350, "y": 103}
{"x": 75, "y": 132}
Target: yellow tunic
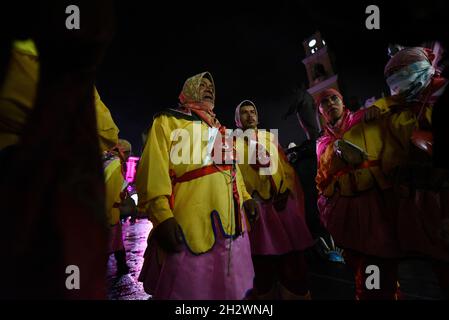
{"x": 18, "y": 94}
{"x": 194, "y": 200}
{"x": 114, "y": 183}
{"x": 399, "y": 124}
{"x": 106, "y": 128}
{"x": 370, "y": 137}
{"x": 386, "y": 140}
{"x": 283, "y": 176}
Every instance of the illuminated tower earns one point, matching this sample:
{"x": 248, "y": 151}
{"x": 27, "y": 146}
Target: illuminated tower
{"x": 318, "y": 63}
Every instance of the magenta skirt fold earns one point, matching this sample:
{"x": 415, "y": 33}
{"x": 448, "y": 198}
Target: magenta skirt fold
{"x": 223, "y": 273}
{"x": 419, "y": 224}
{"x": 277, "y": 233}
{"x": 365, "y": 223}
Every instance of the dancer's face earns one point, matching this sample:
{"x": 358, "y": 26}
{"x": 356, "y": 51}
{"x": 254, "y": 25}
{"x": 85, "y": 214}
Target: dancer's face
{"x": 207, "y": 90}
{"x": 331, "y": 108}
{"x": 248, "y": 117}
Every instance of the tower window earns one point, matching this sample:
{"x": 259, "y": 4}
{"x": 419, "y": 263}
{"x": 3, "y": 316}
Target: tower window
{"x": 319, "y": 72}
{"x": 312, "y": 43}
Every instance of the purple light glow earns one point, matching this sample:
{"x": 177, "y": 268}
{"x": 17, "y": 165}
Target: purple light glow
{"x": 131, "y": 165}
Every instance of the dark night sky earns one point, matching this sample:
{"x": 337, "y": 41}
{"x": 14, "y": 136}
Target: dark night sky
{"x": 253, "y": 50}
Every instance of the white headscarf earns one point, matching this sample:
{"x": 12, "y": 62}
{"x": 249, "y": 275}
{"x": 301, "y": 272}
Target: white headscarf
{"x": 238, "y": 123}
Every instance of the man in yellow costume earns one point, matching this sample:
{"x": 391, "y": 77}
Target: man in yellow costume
{"x": 52, "y": 185}
{"x": 199, "y": 247}
{"x": 114, "y": 164}
{"x": 17, "y": 103}
{"x": 280, "y": 234}
{"x": 355, "y": 196}
{"x": 421, "y": 189}
{"x": 381, "y": 198}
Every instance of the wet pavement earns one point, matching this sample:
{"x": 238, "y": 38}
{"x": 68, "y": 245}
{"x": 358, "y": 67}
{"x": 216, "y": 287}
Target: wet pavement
{"x": 135, "y": 240}
{"x": 329, "y": 281}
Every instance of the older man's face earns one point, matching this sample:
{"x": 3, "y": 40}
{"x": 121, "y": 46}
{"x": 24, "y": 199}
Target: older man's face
{"x": 331, "y": 107}
{"x": 248, "y": 117}
{"x": 207, "y": 90}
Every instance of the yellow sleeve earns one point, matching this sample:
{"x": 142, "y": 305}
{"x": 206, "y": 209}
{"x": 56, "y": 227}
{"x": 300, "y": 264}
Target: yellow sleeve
{"x": 159, "y": 210}
{"x": 153, "y": 181}
{"x": 107, "y": 129}
{"x": 289, "y": 176}
{"x": 17, "y": 94}
{"x": 114, "y": 182}
{"x": 241, "y": 185}
{"x": 400, "y": 123}
{"x": 385, "y": 103}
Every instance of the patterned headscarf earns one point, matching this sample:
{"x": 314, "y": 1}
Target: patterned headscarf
{"x": 190, "y": 99}
{"x": 409, "y": 72}
{"x": 238, "y": 123}
{"x": 124, "y": 145}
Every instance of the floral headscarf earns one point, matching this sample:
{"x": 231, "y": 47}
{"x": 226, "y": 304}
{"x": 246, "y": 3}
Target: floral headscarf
{"x": 190, "y": 99}
{"x": 409, "y": 72}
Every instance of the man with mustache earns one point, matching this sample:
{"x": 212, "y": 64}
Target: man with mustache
{"x": 280, "y": 235}
{"x": 304, "y": 161}
{"x": 355, "y": 195}
{"x": 199, "y": 248}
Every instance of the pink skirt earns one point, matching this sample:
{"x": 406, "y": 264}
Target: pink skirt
{"x": 223, "y": 273}
{"x": 419, "y": 224}
{"x": 277, "y": 233}
{"x": 364, "y": 223}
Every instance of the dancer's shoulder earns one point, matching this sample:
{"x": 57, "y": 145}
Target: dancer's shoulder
{"x": 177, "y": 113}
